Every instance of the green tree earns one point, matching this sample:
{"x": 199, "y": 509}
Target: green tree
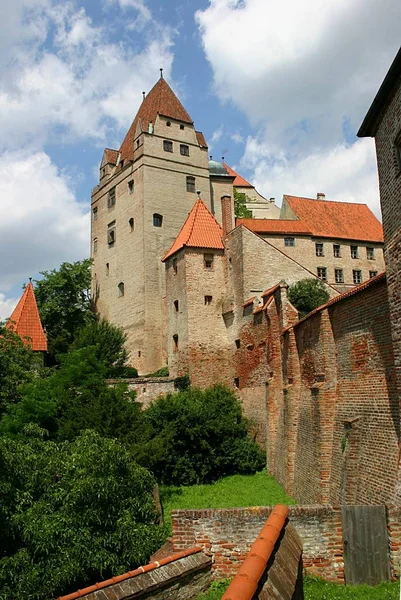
{"x": 63, "y": 298}
{"x": 308, "y": 294}
{"x": 240, "y": 208}
{"x": 17, "y": 366}
{"x": 196, "y": 436}
{"x": 71, "y": 514}
{"x": 74, "y": 398}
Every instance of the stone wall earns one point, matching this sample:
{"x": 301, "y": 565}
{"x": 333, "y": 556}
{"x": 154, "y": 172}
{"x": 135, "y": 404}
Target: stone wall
{"x": 226, "y": 535}
{"x": 147, "y": 388}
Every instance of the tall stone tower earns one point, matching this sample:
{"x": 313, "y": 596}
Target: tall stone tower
{"x": 145, "y": 192}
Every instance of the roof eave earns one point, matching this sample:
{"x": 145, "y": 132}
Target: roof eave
{"x": 371, "y": 121}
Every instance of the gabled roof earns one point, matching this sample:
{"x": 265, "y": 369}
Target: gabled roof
{"x": 238, "y": 181}
{"x": 201, "y": 139}
{"x": 160, "y": 100}
{"x": 340, "y": 220}
{"x": 200, "y": 230}
{"x": 279, "y": 226}
{"x": 386, "y": 90}
{"x": 110, "y": 156}
{"x": 25, "y": 321}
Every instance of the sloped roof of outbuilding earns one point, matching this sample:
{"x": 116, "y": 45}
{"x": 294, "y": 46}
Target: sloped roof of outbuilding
{"x": 200, "y": 230}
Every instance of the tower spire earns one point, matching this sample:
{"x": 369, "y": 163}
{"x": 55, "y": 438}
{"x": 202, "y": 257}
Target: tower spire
{"x": 161, "y": 73}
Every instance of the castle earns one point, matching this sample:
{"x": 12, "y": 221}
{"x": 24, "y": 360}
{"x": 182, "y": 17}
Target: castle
{"x": 173, "y": 267}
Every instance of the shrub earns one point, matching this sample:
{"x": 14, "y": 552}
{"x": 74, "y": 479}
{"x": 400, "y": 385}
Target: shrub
{"x": 196, "y": 436}
{"x": 71, "y": 514}
{"x": 109, "y": 341}
{"x": 308, "y": 294}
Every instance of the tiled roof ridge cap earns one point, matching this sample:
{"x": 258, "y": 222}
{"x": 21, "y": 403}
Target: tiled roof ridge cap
{"x": 283, "y": 253}
{"x": 327, "y": 201}
{"x": 143, "y": 569}
{"x": 355, "y": 290}
{"x": 245, "y": 582}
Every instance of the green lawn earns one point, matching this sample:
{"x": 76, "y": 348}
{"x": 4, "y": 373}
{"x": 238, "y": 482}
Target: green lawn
{"x": 317, "y": 589}
{"x": 230, "y": 492}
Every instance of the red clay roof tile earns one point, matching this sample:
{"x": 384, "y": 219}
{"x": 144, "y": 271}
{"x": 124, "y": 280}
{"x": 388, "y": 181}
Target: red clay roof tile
{"x": 25, "y": 321}
{"x": 111, "y": 155}
{"x": 279, "y": 226}
{"x": 160, "y": 100}
{"x": 342, "y": 220}
{"x": 200, "y": 230}
{"x": 238, "y": 181}
{"x": 201, "y": 139}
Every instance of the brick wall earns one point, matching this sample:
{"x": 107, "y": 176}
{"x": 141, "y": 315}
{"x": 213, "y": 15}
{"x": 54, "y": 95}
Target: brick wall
{"x": 147, "y": 388}
{"x": 227, "y": 535}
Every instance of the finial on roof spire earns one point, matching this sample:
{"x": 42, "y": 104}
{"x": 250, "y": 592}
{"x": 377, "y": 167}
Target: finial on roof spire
{"x": 30, "y": 280}
{"x": 199, "y": 193}
{"x": 143, "y": 96}
{"x": 211, "y": 157}
{"x": 161, "y": 73}
{"x": 222, "y": 158}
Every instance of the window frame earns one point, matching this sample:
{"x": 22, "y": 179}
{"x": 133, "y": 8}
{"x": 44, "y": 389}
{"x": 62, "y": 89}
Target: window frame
{"x": 291, "y": 242}
{"x": 168, "y": 146}
{"x": 111, "y": 197}
{"x": 94, "y": 245}
{"x": 322, "y": 277}
{"x": 208, "y": 257}
{"x": 372, "y": 274}
{"x": 340, "y": 272}
{"x": 191, "y": 184}
{"x": 184, "y": 149}
{"x": 354, "y": 250}
{"x": 95, "y": 213}
{"x": 354, "y": 272}
{"x": 370, "y": 252}
{"x": 319, "y": 248}
{"x": 157, "y": 220}
{"x": 111, "y": 234}
{"x": 337, "y": 250}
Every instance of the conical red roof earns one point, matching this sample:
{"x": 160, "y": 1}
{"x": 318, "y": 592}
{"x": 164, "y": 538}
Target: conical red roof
{"x": 25, "y": 321}
{"x": 200, "y": 230}
{"x": 160, "y": 100}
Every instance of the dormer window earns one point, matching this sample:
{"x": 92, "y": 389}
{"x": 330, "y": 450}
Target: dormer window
{"x": 167, "y": 146}
{"x": 157, "y": 220}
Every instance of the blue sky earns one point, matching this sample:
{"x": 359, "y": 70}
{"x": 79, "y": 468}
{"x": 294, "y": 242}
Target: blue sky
{"x": 281, "y": 88}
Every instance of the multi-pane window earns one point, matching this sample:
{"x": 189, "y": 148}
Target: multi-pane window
{"x": 319, "y": 249}
{"x": 131, "y": 186}
{"x": 370, "y": 253}
{"x": 94, "y": 213}
{"x": 289, "y": 241}
{"x": 357, "y": 276}
{"x": 111, "y": 198}
{"x": 339, "y": 275}
{"x": 157, "y": 220}
{"x": 111, "y": 233}
{"x": 184, "y": 150}
{"x": 322, "y": 273}
{"x": 190, "y": 184}
{"x": 336, "y": 250}
{"x": 354, "y": 251}
{"x": 167, "y": 146}
{"x": 208, "y": 261}
{"x": 372, "y": 274}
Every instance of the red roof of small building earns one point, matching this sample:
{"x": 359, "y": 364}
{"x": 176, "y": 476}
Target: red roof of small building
{"x": 161, "y": 100}
{"x": 25, "y": 321}
{"x": 278, "y": 226}
{"x": 238, "y": 181}
{"x": 200, "y": 230}
{"x": 342, "y": 220}
{"x": 111, "y": 155}
{"x": 201, "y": 139}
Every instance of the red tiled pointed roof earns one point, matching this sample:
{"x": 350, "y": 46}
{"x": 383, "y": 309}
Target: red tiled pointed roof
{"x": 160, "y": 100}
{"x": 110, "y": 156}
{"x": 342, "y": 220}
{"x": 238, "y": 181}
{"x": 25, "y": 321}
{"x": 200, "y": 230}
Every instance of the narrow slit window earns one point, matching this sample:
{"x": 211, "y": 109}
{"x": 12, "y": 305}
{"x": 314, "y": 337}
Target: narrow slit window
{"x": 208, "y": 300}
{"x": 95, "y": 245}
{"x": 121, "y": 289}
{"x": 94, "y": 213}
{"x": 107, "y": 268}
{"x": 131, "y": 186}
{"x": 175, "y": 266}
{"x": 176, "y": 305}
{"x": 175, "y": 342}
{"x": 111, "y": 198}
{"x": 131, "y": 223}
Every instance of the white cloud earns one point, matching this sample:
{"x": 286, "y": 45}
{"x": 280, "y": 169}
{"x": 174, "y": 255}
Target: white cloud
{"x": 344, "y": 172}
{"x": 7, "y": 306}
{"x": 237, "y": 138}
{"x": 43, "y": 224}
{"x": 68, "y": 79}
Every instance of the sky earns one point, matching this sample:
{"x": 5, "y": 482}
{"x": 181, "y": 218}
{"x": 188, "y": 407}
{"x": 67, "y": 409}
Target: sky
{"x": 278, "y": 88}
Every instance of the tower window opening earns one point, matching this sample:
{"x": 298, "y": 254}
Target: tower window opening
{"x": 176, "y": 305}
{"x": 167, "y": 146}
{"x": 95, "y": 245}
{"x": 121, "y": 289}
{"x": 131, "y": 223}
{"x": 131, "y": 186}
{"x": 111, "y": 199}
{"x": 175, "y": 266}
{"x": 190, "y": 184}
{"x": 157, "y": 220}
{"x": 168, "y": 123}
{"x": 184, "y": 150}
{"x": 181, "y": 126}
{"x": 175, "y": 340}
{"x": 208, "y": 300}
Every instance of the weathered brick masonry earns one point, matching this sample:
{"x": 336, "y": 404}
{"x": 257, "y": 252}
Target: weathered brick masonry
{"x": 227, "y": 534}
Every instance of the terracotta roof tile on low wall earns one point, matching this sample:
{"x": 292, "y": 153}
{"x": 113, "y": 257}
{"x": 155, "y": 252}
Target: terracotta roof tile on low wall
{"x": 245, "y": 582}
{"x": 145, "y": 569}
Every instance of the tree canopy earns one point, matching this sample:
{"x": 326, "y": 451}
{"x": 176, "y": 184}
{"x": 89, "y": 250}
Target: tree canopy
{"x": 308, "y": 294}
{"x": 71, "y": 514}
{"x": 240, "y": 208}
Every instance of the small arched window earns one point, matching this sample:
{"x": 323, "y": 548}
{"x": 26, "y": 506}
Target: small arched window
{"x": 121, "y": 289}
{"x": 131, "y": 223}
{"x": 157, "y": 220}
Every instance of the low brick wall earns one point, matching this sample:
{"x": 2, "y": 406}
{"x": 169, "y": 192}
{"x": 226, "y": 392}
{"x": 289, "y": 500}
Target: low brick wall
{"x": 147, "y": 388}
{"x": 182, "y": 576}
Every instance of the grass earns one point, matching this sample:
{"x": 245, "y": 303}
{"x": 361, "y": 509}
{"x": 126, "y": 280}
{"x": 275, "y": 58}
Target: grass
{"x": 230, "y": 492}
{"x": 318, "y": 589}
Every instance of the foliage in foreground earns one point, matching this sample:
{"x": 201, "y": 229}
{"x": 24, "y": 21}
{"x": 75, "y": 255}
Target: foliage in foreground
{"x": 71, "y": 514}
{"x": 240, "y": 208}
{"x": 318, "y": 589}
{"x": 216, "y": 590}
{"x": 234, "y": 491}
{"x": 197, "y": 436}
{"x": 308, "y": 294}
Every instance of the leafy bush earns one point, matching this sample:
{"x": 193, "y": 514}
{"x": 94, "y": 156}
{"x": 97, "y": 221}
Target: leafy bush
{"x": 163, "y": 372}
{"x": 71, "y": 514}
{"x": 196, "y": 436}
{"x": 308, "y": 294}
{"x": 109, "y": 341}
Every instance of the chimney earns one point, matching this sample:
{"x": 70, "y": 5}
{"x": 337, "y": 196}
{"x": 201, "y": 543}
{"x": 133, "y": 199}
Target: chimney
{"x": 320, "y": 196}
{"x": 227, "y": 214}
